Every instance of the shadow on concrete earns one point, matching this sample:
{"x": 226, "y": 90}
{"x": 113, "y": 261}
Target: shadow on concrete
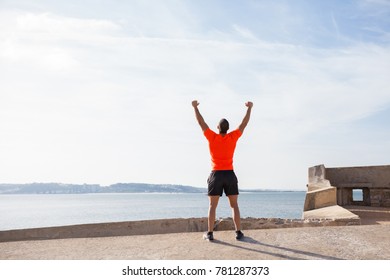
{"x": 371, "y": 215}
{"x": 305, "y": 255}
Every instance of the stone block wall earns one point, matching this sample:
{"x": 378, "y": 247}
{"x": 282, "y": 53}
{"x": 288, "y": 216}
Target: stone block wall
{"x": 380, "y": 197}
{"x": 373, "y": 181}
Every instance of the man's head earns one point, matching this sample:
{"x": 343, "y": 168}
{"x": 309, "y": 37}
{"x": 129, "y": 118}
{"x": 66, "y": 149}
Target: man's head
{"x": 223, "y": 126}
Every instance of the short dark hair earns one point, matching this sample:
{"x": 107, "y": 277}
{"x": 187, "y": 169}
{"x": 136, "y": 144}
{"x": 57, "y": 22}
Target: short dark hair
{"x": 223, "y": 126}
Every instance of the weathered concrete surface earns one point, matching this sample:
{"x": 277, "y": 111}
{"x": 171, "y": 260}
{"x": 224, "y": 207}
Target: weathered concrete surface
{"x": 317, "y": 178}
{"x": 320, "y": 193}
{"x": 371, "y": 242}
{"x": 164, "y": 226}
{"x": 371, "y": 215}
{"x": 333, "y": 212}
{"x": 377, "y": 176}
{"x": 374, "y": 181}
{"x": 319, "y": 198}
{"x": 107, "y": 229}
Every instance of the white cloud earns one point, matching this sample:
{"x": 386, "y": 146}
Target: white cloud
{"x": 58, "y": 25}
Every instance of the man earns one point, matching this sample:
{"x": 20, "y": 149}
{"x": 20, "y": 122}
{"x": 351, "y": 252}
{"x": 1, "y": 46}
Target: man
{"x": 222, "y": 177}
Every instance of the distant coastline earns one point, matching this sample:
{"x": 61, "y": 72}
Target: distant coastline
{"x": 59, "y": 188}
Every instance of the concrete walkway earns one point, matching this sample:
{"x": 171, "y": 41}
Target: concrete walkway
{"x": 366, "y": 242}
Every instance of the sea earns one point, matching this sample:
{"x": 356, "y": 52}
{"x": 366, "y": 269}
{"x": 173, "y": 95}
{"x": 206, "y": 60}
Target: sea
{"x": 47, "y": 210}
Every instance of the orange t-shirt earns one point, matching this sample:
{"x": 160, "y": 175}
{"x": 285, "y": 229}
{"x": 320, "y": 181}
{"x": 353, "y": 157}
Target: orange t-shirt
{"x": 222, "y": 148}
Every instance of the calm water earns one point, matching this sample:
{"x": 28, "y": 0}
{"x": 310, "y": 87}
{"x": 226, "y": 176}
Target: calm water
{"x": 30, "y": 211}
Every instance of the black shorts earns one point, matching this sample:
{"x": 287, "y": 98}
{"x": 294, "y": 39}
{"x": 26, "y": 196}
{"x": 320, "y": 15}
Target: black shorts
{"x": 221, "y": 181}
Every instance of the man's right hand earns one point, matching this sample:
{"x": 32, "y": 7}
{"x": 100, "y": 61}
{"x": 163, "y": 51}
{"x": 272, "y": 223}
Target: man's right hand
{"x": 195, "y": 103}
{"x": 245, "y": 121}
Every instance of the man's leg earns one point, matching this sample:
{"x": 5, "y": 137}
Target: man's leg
{"x": 212, "y": 211}
{"x": 235, "y": 211}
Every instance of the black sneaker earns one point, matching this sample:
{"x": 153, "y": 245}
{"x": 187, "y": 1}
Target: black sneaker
{"x": 208, "y": 236}
{"x": 239, "y": 234}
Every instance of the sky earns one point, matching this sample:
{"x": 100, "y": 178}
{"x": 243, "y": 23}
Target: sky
{"x": 99, "y": 92}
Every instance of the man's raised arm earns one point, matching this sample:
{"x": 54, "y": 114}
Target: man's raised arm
{"x": 199, "y": 118}
{"x": 245, "y": 121}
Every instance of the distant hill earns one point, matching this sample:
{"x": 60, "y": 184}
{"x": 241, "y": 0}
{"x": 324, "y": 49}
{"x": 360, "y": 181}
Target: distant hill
{"x": 57, "y": 188}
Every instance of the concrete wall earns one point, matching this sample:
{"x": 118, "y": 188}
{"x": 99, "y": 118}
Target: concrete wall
{"x": 374, "y": 181}
{"x": 107, "y": 229}
{"x": 320, "y": 193}
{"x": 320, "y": 198}
{"x": 160, "y": 227}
